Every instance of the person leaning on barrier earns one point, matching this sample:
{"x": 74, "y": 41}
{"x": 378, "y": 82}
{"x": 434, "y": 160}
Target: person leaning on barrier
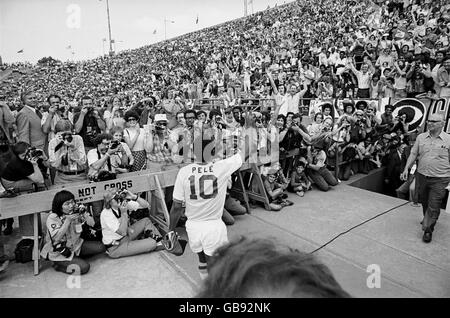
{"x": 67, "y": 155}
{"x": 64, "y": 245}
{"x": 120, "y": 238}
{"x": 260, "y": 268}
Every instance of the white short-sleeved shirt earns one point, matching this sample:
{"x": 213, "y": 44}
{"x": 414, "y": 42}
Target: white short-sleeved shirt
{"x": 92, "y": 157}
{"x": 203, "y": 188}
{"x": 110, "y": 223}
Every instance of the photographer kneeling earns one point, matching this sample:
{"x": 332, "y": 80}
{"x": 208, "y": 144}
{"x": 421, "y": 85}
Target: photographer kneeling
{"x": 119, "y": 237}
{"x": 64, "y": 245}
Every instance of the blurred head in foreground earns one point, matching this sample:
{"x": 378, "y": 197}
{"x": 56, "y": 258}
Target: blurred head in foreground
{"x": 258, "y": 268}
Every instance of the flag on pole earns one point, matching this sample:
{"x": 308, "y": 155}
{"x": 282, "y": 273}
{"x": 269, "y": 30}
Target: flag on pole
{"x": 196, "y": 22}
{"x": 69, "y": 47}
{"x": 154, "y": 32}
{"x": 250, "y": 2}
{"x": 21, "y": 51}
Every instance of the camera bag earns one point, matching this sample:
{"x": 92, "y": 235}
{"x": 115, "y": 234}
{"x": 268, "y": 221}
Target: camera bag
{"x": 24, "y": 251}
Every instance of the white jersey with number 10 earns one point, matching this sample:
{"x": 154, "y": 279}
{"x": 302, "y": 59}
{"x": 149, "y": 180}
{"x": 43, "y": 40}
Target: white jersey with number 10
{"x": 203, "y": 188}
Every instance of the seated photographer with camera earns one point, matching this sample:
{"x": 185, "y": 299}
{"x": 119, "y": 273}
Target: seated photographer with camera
{"x": 67, "y": 155}
{"x": 120, "y": 238}
{"x": 64, "y": 243}
{"x": 22, "y": 175}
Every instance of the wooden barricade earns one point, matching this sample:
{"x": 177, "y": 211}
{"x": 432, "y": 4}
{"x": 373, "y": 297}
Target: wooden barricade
{"x": 35, "y": 203}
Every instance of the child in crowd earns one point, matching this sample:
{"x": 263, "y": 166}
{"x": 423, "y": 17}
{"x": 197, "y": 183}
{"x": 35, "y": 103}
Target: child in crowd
{"x": 299, "y": 181}
{"x": 276, "y": 190}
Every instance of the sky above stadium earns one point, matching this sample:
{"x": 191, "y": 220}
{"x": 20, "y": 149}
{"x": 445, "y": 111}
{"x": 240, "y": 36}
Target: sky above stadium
{"x": 75, "y": 29}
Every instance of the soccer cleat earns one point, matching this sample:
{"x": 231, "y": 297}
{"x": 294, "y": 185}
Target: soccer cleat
{"x": 427, "y": 237}
{"x": 172, "y": 243}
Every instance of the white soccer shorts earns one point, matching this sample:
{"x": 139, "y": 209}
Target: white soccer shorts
{"x": 206, "y": 236}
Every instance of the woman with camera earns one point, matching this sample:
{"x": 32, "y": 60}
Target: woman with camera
{"x": 67, "y": 155}
{"x": 64, "y": 245}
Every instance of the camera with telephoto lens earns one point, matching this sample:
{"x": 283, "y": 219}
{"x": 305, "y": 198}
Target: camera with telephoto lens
{"x": 120, "y": 196}
{"x": 62, "y": 249}
{"x": 67, "y": 136}
{"x": 114, "y": 144}
{"x": 79, "y": 209}
{"x": 33, "y": 153}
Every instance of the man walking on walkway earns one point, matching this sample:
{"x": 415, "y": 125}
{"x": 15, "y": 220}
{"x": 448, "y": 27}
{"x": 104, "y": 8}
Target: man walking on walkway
{"x": 432, "y": 149}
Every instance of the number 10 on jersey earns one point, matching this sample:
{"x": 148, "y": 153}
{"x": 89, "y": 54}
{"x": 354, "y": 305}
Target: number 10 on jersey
{"x": 201, "y": 181}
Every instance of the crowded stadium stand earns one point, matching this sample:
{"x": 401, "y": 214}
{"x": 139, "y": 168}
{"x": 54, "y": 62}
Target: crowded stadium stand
{"x": 326, "y": 98}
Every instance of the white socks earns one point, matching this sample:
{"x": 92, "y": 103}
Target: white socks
{"x": 203, "y": 270}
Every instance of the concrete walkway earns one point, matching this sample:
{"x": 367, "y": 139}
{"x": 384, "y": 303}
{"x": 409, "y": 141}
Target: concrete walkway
{"x": 391, "y": 242}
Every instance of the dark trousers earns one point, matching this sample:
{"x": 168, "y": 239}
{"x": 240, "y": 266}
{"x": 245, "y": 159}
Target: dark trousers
{"x": 363, "y": 93}
{"x": 345, "y": 171}
{"x": 431, "y": 194}
{"x": 322, "y": 178}
{"x": 89, "y": 248}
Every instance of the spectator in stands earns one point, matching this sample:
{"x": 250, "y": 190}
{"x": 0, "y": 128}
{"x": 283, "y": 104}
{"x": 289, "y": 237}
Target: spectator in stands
{"x": 120, "y": 238}
{"x": 115, "y": 118}
{"x": 259, "y": 268}
{"x": 444, "y": 78}
{"x": 363, "y": 77}
{"x": 88, "y": 123}
{"x": 135, "y": 138}
{"x": 316, "y": 126}
{"x": 67, "y": 155}
{"x": 158, "y": 151}
{"x": 64, "y": 245}
{"x": 28, "y": 121}
{"x": 7, "y": 121}
{"x": 387, "y": 120}
{"x": 56, "y": 112}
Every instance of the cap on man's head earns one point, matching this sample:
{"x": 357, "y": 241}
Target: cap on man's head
{"x": 160, "y": 117}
